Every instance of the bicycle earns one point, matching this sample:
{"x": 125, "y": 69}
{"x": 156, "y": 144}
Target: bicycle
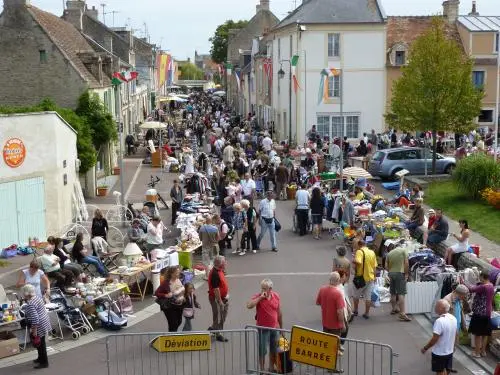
{"x": 154, "y": 195}
{"x": 118, "y": 213}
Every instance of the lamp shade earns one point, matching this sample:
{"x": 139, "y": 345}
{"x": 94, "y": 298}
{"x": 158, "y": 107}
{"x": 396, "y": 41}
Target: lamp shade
{"x": 132, "y": 249}
{"x": 281, "y": 73}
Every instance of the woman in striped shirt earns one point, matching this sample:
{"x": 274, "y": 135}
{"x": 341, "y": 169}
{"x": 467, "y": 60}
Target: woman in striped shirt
{"x": 39, "y": 322}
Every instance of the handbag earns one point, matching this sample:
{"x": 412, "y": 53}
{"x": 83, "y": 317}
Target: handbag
{"x": 188, "y": 312}
{"x": 359, "y": 281}
{"x": 36, "y": 341}
{"x": 283, "y": 362}
{"x": 277, "y": 225}
{"x": 165, "y": 303}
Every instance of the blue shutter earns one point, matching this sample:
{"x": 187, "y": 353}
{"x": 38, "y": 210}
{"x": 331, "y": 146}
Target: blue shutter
{"x": 30, "y": 201}
{"x": 8, "y": 215}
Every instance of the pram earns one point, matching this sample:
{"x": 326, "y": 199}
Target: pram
{"x": 259, "y": 186}
{"x": 71, "y": 317}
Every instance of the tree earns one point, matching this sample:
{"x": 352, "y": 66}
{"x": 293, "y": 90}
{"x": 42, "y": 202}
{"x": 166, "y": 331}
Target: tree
{"x": 91, "y": 110}
{"x": 84, "y": 142}
{"x": 435, "y": 92}
{"x": 190, "y": 71}
{"x": 219, "y": 41}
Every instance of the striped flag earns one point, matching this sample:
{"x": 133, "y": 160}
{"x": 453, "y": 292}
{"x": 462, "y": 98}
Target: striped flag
{"x": 238, "y": 81}
{"x": 323, "y": 83}
{"x": 293, "y": 63}
{"x": 119, "y": 78}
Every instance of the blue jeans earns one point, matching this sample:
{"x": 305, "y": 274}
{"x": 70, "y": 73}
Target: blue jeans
{"x": 436, "y": 237}
{"x": 187, "y": 325}
{"x": 90, "y": 259}
{"x": 412, "y": 225}
{"x": 264, "y": 227}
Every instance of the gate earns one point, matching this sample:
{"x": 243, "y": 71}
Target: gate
{"x": 139, "y": 354}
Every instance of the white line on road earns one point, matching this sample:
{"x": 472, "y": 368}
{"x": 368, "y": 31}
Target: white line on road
{"x": 127, "y": 193}
{"x": 277, "y": 274}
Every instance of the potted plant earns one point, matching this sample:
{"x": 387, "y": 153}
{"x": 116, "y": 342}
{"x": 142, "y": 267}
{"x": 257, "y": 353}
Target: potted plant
{"x": 116, "y": 171}
{"x": 102, "y": 188}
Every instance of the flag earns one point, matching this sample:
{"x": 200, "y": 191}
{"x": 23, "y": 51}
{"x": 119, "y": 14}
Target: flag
{"x": 268, "y": 69}
{"x": 293, "y": 64}
{"x": 238, "y": 81}
{"x": 170, "y": 71}
{"x": 323, "y": 83}
{"x": 126, "y": 76}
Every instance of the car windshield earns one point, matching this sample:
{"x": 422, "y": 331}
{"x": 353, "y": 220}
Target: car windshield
{"x": 378, "y": 156}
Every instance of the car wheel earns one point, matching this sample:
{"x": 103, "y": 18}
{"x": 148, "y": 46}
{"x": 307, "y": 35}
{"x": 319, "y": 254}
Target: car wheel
{"x": 449, "y": 169}
{"x": 393, "y": 176}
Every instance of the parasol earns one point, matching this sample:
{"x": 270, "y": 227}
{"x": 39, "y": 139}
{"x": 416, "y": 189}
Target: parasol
{"x": 153, "y": 125}
{"x": 356, "y": 172}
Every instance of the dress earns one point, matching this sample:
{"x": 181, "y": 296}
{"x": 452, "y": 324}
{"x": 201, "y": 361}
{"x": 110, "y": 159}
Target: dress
{"x": 461, "y": 247}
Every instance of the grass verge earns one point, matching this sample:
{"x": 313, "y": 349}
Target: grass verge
{"x": 482, "y": 217}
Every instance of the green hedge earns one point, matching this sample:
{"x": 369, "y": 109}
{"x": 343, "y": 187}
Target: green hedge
{"x": 476, "y": 173}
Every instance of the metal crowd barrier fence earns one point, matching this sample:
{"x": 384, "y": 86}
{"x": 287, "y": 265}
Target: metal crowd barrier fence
{"x": 356, "y": 358}
{"x": 195, "y": 353}
{"x": 198, "y": 353}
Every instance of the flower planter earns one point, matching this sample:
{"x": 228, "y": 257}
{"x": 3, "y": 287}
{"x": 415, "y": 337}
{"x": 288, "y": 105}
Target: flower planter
{"x": 116, "y": 171}
{"x": 102, "y": 191}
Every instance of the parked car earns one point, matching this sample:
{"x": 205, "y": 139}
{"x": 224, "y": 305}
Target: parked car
{"x": 385, "y": 163}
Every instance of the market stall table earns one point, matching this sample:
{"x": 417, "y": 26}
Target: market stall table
{"x": 132, "y": 275}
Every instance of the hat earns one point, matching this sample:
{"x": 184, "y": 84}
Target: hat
{"x": 431, "y": 211}
{"x": 461, "y": 289}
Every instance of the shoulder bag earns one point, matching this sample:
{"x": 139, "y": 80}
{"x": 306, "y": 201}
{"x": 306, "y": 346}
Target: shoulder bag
{"x": 359, "y": 281}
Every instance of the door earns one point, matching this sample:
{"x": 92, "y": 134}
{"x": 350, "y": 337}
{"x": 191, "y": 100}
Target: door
{"x": 8, "y": 215}
{"x": 23, "y": 211}
{"x": 412, "y": 161}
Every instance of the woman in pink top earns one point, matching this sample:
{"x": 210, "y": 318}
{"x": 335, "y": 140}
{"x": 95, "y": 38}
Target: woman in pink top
{"x": 268, "y": 314}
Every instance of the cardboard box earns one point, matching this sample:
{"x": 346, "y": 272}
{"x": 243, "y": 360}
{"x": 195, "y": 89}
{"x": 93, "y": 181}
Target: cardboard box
{"x": 9, "y": 345}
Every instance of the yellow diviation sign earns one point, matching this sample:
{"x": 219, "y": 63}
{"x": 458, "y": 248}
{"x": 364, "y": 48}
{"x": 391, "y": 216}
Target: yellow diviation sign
{"x": 182, "y": 343}
{"x": 314, "y": 348}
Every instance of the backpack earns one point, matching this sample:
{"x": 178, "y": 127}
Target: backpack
{"x": 230, "y": 230}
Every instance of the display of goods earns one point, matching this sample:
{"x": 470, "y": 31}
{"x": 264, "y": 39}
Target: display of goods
{"x": 327, "y": 176}
{"x": 392, "y": 234}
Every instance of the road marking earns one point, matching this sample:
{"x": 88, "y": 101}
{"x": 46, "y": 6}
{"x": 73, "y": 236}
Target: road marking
{"x": 277, "y": 274}
{"x": 134, "y": 179}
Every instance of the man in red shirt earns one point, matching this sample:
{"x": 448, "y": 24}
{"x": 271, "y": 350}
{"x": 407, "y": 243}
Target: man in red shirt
{"x": 218, "y": 296}
{"x": 332, "y": 306}
{"x": 268, "y": 314}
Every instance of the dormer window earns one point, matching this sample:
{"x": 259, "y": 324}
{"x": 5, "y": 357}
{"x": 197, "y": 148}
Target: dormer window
{"x": 400, "y": 58}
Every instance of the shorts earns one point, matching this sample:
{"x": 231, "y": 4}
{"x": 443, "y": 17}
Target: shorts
{"x": 317, "y": 219}
{"x": 440, "y": 363}
{"x": 365, "y": 292}
{"x": 268, "y": 336}
{"x": 397, "y": 284}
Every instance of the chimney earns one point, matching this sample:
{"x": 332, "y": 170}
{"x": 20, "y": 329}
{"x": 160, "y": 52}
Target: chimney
{"x": 15, "y": 3}
{"x": 264, "y": 4}
{"x": 474, "y": 11}
{"x": 76, "y": 4}
{"x": 108, "y": 43}
{"x": 450, "y": 10}
{"x": 92, "y": 13}
{"x": 74, "y": 16}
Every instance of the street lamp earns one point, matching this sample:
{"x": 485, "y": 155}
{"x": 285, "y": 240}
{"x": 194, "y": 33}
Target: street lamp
{"x": 281, "y": 75}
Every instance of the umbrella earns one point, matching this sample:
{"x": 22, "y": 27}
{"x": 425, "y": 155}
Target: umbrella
{"x": 356, "y": 172}
{"x": 153, "y": 125}
{"x": 220, "y": 93}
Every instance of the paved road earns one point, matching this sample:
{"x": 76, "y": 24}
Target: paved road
{"x": 298, "y": 269}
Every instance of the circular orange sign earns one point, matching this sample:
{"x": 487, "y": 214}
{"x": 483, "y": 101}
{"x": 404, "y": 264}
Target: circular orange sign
{"x": 14, "y": 152}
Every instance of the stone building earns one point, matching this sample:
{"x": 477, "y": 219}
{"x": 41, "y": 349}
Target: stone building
{"x": 240, "y": 47}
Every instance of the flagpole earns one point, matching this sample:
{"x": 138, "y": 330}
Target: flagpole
{"x": 341, "y": 79}
{"x": 120, "y": 132}
{"x": 497, "y": 98}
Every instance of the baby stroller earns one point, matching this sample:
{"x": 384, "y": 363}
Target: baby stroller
{"x": 110, "y": 315}
{"x": 259, "y": 186}
{"x": 71, "y": 317}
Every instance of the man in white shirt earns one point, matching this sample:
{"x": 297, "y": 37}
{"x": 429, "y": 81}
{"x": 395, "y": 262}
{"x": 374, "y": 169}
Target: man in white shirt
{"x": 267, "y": 143}
{"x": 228, "y": 154}
{"x": 154, "y": 235}
{"x": 302, "y": 199}
{"x": 248, "y": 188}
{"x": 443, "y": 339}
{"x": 267, "y": 211}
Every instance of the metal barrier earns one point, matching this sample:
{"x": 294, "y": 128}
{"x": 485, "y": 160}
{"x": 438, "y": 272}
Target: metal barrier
{"x": 357, "y": 358}
{"x": 139, "y": 353}
{"x": 134, "y": 354}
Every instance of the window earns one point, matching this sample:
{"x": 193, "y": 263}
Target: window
{"x": 43, "y": 55}
{"x": 323, "y": 125}
{"x": 486, "y": 116}
{"x": 478, "y": 79}
{"x": 398, "y": 155}
{"x": 496, "y": 41}
{"x": 412, "y": 155}
{"x": 334, "y": 87}
{"x": 352, "y": 126}
{"x": 334, "y": 45}
{"x": 336, "y": 126}
{"x": 400, "y": 58}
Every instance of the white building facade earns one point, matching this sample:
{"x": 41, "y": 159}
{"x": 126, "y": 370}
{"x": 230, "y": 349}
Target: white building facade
{"x": 351, "y": 40}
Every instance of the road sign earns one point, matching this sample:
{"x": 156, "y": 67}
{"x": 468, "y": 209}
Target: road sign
{"x": 314, "y": 348}
{"x": 182, "y": 343}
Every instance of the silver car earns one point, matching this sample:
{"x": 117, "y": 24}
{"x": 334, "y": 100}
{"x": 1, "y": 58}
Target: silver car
{"x": 385, "y": 163}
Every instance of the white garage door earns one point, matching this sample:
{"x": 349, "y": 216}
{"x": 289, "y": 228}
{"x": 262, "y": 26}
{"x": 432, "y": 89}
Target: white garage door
{"x": 22, "y": 213}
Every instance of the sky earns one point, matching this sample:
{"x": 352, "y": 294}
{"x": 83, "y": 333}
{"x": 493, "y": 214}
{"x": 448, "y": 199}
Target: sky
{"x": 184, "y": 26}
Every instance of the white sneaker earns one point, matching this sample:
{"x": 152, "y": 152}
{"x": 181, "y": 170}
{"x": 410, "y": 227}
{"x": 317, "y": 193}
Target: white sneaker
{"x": 236, "y": 251}
{"x": 243, "y": 252}
{"x": 254, "y": 251}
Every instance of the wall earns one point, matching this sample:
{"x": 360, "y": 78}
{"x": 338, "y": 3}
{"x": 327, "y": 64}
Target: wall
{"x": 362, "y": 58}
{"x": 24, "y": 79}
{"x": 48, "y": 141}
{"x": 483, "y": 43}
{"x": 465, "y": 36}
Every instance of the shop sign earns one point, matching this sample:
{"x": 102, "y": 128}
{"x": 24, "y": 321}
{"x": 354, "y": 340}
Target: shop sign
{"x": 14, "y": 152}
{"x": 314, "y": 348}
{"x": 182, "y": 343}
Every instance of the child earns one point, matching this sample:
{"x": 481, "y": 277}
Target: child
{"x": 189, "y": 305}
